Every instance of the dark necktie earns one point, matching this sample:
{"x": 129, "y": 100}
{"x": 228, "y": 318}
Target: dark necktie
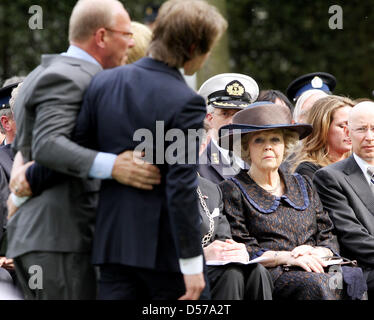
{"x": 231, "y": 158}
{"x": 370, "y": 171}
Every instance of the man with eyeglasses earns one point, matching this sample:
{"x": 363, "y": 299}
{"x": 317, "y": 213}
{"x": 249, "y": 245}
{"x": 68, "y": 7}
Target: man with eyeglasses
{"x": 346, "y": 189}
{"x": 148, "y": 244}
{"x": 54, "y": 228}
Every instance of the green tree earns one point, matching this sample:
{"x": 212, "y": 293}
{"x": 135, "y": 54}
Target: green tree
{"x": 274, "y": 41}
{"x": 218, "y": 61}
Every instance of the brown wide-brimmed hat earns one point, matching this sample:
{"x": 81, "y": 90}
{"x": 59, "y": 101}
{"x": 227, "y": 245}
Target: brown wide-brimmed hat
{"x": 260, "y": 117}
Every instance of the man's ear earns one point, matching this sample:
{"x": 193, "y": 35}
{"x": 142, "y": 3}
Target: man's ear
{"x": 192, "y": 49}
{"x": 208, "y": 117}
{"x": 5, "y": 122}
{"x": 99, "y": 37}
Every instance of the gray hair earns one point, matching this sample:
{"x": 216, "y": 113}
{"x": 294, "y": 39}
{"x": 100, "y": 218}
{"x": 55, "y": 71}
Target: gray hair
{"x": 210, "y": 108}
{"x": 13, "y": 80}
{"x": 298, "y": 112}
{"x": 88, "y": 16}
{"x": 8, "y": 112}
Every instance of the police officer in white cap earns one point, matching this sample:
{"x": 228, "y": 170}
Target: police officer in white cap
{"x": 225, "y": 94}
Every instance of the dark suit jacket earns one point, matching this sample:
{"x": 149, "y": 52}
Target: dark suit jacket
{"x": 214, "y": 203}
{"x": 213, "y": 166}
{"x": 347, "y": 197}
{"x": 61, "y": 218}
{"x": 307, "y": 168}
{"x": 6, "y": 161}
{"x": 136, "y": 227}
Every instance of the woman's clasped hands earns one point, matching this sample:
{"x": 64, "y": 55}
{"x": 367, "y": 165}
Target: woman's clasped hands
{"x": 309, "y": 258}
{"x": 227, "y": 250}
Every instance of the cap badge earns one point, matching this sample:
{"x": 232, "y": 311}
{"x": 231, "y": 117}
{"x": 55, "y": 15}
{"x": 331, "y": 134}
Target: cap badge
{"x": 235, "y": 88}
{"x": 317, "y": 82}
{"x": 148, "y": 11}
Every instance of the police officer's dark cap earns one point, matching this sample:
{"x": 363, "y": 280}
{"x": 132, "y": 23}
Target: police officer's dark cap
{"x": 6, "y": 94}
{"x": 150, "y": 13}
{"x": 317, "y": 80}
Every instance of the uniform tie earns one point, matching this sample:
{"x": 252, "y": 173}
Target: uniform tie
{"x": 231, "y": 158}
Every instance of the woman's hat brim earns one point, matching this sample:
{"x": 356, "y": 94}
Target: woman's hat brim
{"x": 228, "y": 134}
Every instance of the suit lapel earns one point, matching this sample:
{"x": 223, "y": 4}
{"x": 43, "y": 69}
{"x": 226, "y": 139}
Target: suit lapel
{"x": 356, "y": 179}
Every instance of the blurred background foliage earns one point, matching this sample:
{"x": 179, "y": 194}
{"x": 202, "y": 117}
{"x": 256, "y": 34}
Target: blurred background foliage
{"x": 274, "y": 41}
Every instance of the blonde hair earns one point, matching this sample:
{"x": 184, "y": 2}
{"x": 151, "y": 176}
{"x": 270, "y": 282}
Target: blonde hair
{"x": 88, "y": 16}
{"x": 142, "y": 38}
{"x": 241, "y": 146}
{"x": 182, "y": 25}
{"x": 314, "y": 147}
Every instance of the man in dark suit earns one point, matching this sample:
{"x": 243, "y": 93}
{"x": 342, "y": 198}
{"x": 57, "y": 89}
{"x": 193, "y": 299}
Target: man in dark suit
{"x": 229, "y": 281}
{"x": 147, "y": 243}
{"x": 346, "y": 190}
{"x": 225, "y": 94}
{"x": 54, "y": 230}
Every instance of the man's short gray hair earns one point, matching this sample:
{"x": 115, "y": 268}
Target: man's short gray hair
{"x": 88, "y": 16}
{"x": 8, "y": 112}
{"x": 12, "y": 80}
{"x": 210, "y": 109}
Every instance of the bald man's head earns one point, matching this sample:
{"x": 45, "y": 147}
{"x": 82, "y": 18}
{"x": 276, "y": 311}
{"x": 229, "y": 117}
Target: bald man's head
{"x": 90, "y": 15}
{"x": 361, "y": 130}
{"x": 102, "y": 28}
{"x": 361, "y": 111}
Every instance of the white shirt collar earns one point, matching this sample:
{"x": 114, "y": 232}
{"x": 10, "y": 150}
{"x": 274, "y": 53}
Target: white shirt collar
{"x": 225, "y": 153}
{"x": 76, "y": 52}
{"x": 363, "y": 166}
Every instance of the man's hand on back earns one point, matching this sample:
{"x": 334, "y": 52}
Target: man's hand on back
{"x": 130, "y": 169}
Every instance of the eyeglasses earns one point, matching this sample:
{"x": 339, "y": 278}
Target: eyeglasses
{"x": 124, "y": 33}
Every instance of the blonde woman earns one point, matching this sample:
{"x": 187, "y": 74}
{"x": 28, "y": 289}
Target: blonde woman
{"x": 328, "y": 143}
{"x": 142, "y": 36}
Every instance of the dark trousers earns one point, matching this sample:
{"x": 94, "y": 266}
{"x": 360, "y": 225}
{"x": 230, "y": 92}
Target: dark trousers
{"x": 369, "y": 276}
{"x": 56, "y": 276}
{"x": 240, "y": 282}
{"x": 119, "y": 282}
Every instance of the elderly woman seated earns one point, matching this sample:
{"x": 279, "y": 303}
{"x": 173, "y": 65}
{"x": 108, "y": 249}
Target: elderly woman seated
{"x": 276, "y": 215}
{"x": 234, "y": 280}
